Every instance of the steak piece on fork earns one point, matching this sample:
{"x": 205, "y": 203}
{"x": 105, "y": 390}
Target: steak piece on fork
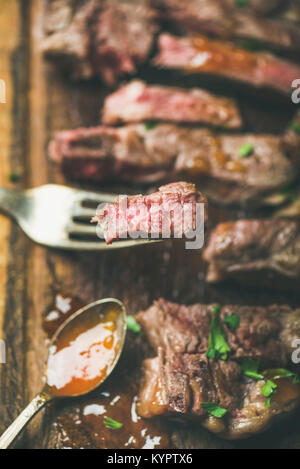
{"x": 170, "y": 212}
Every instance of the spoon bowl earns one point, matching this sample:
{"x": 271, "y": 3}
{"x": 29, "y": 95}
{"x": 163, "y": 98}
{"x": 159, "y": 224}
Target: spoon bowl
{"x": 82, "y": 354}
{"x": 79, "y": 343}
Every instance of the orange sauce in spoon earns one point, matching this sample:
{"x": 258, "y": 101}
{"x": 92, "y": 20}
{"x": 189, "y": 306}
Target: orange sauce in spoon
{"x": 83, "y": 354}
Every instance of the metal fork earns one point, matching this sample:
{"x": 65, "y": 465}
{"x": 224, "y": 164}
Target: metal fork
{"x": 57, "y": 216}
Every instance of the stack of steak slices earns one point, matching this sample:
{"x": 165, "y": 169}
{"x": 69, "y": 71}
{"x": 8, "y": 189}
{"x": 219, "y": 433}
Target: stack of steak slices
{"x": 110, "y": 38}
{"x": 186, "y": 381}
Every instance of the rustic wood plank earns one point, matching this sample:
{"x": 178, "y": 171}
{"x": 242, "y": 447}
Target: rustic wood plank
{"x": 7, "y": 46}
{"x": 14, "y": 47}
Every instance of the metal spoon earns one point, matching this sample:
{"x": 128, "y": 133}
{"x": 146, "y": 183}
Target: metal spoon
{"x": 94, "y": 312}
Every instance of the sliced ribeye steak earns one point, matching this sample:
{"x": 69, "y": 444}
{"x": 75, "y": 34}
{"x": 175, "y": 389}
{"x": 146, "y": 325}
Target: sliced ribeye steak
{"x": 107, "y": 38}
{"x": 238, "y": 169}
{"x": 259, "y": 252}
{"x": 226, "y": 19}
{"x": 170, "y": 212}
{"x": 138, "y": 101}
{"x": 227, "y": 394}
{"x": 200, "y": 54}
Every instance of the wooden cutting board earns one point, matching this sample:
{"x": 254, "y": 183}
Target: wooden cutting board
{"x": 40, "y": 101}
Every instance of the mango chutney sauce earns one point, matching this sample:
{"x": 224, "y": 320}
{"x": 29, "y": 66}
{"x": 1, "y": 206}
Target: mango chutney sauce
{"x": 83, "y": 353}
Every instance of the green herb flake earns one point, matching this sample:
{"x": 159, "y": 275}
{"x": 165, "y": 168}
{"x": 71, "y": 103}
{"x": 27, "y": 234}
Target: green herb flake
{"x": 112, "y": 424}
{"x": 296, "y": 379}
{"x": 233, "y": 321}
{"x": 295, "y": 126}
{"x": 217, "y": 344}
{"x": 242, "y": 3}
{"x": 281, "y": 373}
{"x": 214, "y": 409}
{"x": 13, "y": 177}
{"x": 268, "y": 391}
{"x": 250, "y": 367}
{"x": 251, "y": 45}
{"x": 246, "y": 150}
{"x": 151, "y": 125}
{"x": 133, "y": 325}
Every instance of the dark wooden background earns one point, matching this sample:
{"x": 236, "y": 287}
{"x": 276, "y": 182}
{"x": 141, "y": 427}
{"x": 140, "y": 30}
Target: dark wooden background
{"x": 40, "y": 101}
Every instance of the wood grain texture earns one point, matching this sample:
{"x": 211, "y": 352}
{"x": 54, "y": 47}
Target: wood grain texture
{"x": 14, "y": 24}
{"x": 41, "y": 101}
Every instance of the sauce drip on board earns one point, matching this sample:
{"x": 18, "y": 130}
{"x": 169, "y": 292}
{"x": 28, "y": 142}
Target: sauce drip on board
{"x": 83, "y": 353}
{"x": 117, "y": 401}
{"x": 64, "y": 306}
{"x": 80, "y": 423}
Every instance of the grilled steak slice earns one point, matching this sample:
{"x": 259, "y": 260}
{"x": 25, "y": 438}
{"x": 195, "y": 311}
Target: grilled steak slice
{"x": 181, "y": 377}
{"x": 170, "y": 212}
{"x": 261, "y": 252}
{"x": 166, "y": 152}
{"x": 185, "y": 329}
{"x": 178, "y": 383}
{"x": 202, "y": 55}
{"x": 70, "y": 44}
{"x": 227, "y": 20}
{"x": 137, "y": 101}
{"x": 108, "y": 38}
{"x": 124, "y": 36}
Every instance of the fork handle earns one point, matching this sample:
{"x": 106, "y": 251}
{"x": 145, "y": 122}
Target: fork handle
{"x": 10, "y": 199}
{"x": 23, "y": 419}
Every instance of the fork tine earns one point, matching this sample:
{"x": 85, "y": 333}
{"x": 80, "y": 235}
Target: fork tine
{"x": 96, "y": 198}
{"x": 83, "y": 214}
{"x": 75, "y": 229}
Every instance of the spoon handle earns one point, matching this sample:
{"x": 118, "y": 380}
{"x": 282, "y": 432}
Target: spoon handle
{"x": 23, "y": 419}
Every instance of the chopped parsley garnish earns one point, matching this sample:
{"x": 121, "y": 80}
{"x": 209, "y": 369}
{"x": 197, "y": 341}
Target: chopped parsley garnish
{"x": 151, "y": 125}
{"x": 246, "y": 150}
{"x": 233, "y": 320}
{"x": 252, "y": 45}
{"x": 218, "y": 346}
{"x": 242, "y": 3}
{"x": 296, "y": 379}
{"x": 133, "y": 325}
{"x": 295, "y": 126}
{"x": 13, "y": 177}
{"x": 112, "y": 424}
{"x": 250, "y": 367}
{"x": 281, "y": 373}
{"x": 214, "y": 409}
{"x": 268, "y": 391}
